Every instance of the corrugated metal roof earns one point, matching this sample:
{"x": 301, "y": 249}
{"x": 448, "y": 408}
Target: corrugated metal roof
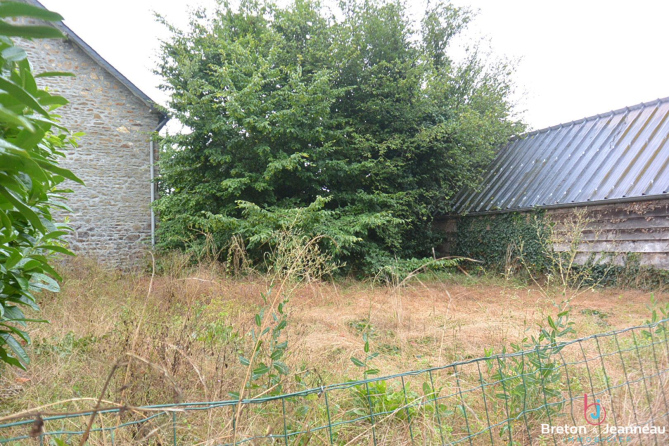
{"x": 611, "y": 156}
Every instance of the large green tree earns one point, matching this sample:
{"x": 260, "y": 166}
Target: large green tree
{"x": 354, "y": 124}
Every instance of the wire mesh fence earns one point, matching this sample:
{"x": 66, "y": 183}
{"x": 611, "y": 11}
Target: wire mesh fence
{"x": 609, "y": 388}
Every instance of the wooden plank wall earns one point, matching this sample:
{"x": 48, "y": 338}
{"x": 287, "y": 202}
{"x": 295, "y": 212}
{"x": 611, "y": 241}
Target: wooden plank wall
{"x": 634, "y": 227}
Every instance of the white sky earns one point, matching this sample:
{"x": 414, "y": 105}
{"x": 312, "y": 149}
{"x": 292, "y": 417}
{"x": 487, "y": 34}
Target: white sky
{"x": 578, "y": 58}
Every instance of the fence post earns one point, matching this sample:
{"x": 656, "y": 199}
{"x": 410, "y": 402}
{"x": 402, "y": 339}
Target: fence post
{"x": 174, "y": 428}
{"x": 486, "y": 406}
{"x": 437, "y": 408}
{"x": 409, "y": 415}
{"x": 372, "y": 417}
{"x": 607, "y": 384}
{"x": 506, "y": 395}
{"x": 330, "y": 423}
{"x": 465, "y": 414}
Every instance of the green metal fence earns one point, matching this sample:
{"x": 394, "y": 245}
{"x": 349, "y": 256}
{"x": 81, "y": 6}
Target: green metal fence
{"x": 609, "y": 388}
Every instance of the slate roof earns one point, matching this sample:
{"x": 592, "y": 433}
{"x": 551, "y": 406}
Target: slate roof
{"x": 616, "y": 156}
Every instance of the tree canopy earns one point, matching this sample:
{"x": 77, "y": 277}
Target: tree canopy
{"x": 353, "y": 123}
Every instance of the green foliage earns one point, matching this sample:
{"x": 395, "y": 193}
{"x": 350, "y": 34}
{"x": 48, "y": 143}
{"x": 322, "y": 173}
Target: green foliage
{"x": 377, "y": 398}
{"x": 363, "y": 326}
{"x": 217, "y": 333}
{"x": 383, "y": 399}
{"x": 295, "y": 259}
{"x": 363, "y": 363}
{"x": 31, "y": 142}
{"x": 395, "y": 271}
{"x": 404, "y": 404}
{"x": 525, "y": 244}
{"x": 66, "y": 346}
{"x": 632, "y": 274}
{"x": 659, "y": 312}
{"x": 498, "y": 240}
{"x": 533, "y": 380}
{"x": 357, "y": 120}
{"x": 268, "y": 368}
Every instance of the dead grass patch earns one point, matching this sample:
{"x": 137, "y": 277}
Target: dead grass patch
{"x": 197, "y": 321}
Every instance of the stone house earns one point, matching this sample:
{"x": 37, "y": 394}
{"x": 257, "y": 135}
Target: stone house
{"x": 112, "y": 217}
{"x": 613, "y": 165}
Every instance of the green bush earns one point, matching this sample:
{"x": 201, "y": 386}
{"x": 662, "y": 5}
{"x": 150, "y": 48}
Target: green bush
{"x": 632, "y": 274}
{"x": 352, "y": 115}
{"x": 31, "y": 142}
{"x": 499, "y": 240}
{"x": 532, "y": 383}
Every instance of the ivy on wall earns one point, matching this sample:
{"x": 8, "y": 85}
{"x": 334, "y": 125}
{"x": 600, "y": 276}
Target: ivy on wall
{"x": 631, "y": 274}
{"x": 499, "y": 239}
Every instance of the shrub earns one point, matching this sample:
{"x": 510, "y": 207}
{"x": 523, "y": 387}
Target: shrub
{"x": 352, "y": 114}
{"x": 31, "y": 142}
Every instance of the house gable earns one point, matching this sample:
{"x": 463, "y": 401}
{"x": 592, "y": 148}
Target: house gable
{"x": 111, "y": 215}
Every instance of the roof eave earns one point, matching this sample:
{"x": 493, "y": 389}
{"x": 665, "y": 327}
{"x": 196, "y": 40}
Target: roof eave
{"x": 560, "y": 206}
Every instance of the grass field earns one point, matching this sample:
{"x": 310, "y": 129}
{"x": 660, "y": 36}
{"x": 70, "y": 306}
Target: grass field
{"x": 187, "y": 328}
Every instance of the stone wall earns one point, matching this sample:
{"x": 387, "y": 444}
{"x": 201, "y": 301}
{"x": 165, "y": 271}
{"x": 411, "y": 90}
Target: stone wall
{"x": 111, "y": 215}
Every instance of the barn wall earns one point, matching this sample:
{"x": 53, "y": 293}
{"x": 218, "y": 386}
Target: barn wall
{"x": 634, "y": 227}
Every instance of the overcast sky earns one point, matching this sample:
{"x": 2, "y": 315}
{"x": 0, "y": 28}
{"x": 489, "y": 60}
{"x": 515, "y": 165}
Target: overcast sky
{"x": 577, "y": 58}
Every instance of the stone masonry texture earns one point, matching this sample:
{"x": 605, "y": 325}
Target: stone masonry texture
{"x": 111, "y": 215}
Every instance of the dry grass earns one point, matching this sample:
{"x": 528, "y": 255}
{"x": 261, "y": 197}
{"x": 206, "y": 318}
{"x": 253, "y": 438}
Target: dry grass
{"x": 196, "y": 320}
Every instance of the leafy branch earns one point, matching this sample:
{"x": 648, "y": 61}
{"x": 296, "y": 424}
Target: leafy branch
{"x": 31, "y": 143}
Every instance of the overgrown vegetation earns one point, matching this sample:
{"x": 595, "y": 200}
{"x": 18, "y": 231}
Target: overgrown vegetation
{"x": 31, "y": 144}
{"x": 184, "y": 340}
{"x": 500, "y": 240}
{"x": 534, "y": 378}
{"x": 551, "y": 254}
{"x": 631, "y": 275}
{"x": 295, "y": 259}
{"x": 357, "y": 118}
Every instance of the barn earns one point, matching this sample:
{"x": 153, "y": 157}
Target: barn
{"x": 111, "y": 216}
{"x": 612, "y": 166}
